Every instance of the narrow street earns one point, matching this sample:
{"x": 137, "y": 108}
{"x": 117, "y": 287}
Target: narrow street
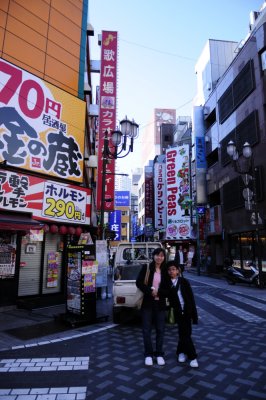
{"x": 105, "y": 361}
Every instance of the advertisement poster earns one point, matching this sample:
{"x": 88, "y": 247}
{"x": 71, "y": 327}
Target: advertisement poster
{"x": 7, "y": 256}
{"x": 102, "y": 258}
{"x": 36, "y": 235}
{"x": 73, "y": 282}
{"x": 89, "y": 283}
{"x": 178, "y": 193}
{"x": 45, "y": 199}
{"x": 85, "y": 238}
{"x": 42, "y": 126}
{"x": 52, "y": 269}
{"x": 89, "y": 267}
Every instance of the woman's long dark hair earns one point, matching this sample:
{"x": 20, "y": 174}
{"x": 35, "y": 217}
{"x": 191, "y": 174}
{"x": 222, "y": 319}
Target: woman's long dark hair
{"x": 157, "y": 251}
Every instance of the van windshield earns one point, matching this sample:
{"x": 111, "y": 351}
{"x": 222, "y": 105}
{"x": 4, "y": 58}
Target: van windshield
{"x": 137, "y": 253}
{"x": 127, "y": 272}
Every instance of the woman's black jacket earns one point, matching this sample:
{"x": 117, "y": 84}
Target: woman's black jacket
{"x": 190, "y": 309}
{"x": 148, "y": 299}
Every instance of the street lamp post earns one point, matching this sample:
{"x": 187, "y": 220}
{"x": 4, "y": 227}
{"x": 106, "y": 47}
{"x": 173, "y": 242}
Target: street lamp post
{"x": 247, "y": 170}
{"x": 122, "y": 145}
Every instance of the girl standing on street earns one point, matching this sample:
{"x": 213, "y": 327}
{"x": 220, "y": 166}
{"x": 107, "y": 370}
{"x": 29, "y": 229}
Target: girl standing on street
{"x": 181, "y": 298}
{"x": 154, "y": 305}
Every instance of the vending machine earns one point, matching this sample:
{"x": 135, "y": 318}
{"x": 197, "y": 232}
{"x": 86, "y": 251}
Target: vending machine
{"x": 82, "y": 268}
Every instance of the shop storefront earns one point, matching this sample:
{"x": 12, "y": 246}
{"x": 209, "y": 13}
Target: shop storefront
{"x": 43, "y": 205}
{"x": 32, "y": 264}
{"x": 244, "y": 248}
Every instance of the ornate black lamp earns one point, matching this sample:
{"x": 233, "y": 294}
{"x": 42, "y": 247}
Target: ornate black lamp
{"x": 122, "y": 142}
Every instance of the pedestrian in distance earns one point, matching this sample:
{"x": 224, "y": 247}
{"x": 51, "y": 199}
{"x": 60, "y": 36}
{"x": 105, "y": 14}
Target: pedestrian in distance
{"x": 180, "y": 257}
{"x": 181, "y": 298}
{"x": 153, "y": 308}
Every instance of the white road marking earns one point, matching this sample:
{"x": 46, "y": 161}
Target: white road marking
{"x": 57, "y": 393}
{"x": 239, "y": 312}
{"x": 61, "y": 339}
{"x": 44, "y": 364}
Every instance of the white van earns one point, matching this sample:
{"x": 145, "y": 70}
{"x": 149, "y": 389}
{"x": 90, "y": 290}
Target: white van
{"x": 129, "y": 259}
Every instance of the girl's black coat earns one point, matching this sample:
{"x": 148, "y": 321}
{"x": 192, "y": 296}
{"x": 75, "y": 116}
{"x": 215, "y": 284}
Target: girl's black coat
{"x": 189, "y": 302}
{"x": 146, "y": 289}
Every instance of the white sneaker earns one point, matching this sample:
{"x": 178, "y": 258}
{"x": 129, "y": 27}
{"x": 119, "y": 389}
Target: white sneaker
{"x": 194, "y": 363}
{"x": 160, "y": 361}
{"x": 182, "y": 357}
{"x": 148, "y": 361}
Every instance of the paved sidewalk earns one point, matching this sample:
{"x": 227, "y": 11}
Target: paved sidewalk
{"x": 20, "y": 327}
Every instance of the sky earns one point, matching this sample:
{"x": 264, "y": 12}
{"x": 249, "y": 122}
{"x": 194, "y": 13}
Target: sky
{"x": 159, "y": 44}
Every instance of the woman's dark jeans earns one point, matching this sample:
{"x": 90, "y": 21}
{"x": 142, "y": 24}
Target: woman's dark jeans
{"x": 150, "y": 315}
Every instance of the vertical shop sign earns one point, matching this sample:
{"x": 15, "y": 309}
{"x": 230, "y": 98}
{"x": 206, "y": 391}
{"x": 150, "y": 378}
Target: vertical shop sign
{"x": 134, "y": 227}
{"x": 160, "y": 194}
{"x": 149, "y": 201}
{"x": 115, "y": 224}
{"x": 107, "y": 115}
{"x": 52, "y": 269}
{"x": 200, "y": 154}
{"x": 178, "y": 193}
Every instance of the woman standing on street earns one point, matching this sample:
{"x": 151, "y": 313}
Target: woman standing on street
{"x": 154, "y": 305}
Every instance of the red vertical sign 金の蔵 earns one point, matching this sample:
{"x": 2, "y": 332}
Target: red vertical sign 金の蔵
{"x": 107, "y": 115}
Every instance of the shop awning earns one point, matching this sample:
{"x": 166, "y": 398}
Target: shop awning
{"x": 18, "y": 223}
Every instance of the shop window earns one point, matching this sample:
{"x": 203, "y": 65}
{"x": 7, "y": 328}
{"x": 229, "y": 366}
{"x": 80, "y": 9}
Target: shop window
{"x": 241, "y": 134}
{"x": 237, "y": 92}
{"x": 235, "y": 255}
{"x": 232, "y": 195}
{"x": 247, "y": 247}
{"x": 263, "y": 61}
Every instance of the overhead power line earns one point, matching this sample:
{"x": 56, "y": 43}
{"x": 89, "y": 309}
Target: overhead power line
{"x": 158, "y": 51}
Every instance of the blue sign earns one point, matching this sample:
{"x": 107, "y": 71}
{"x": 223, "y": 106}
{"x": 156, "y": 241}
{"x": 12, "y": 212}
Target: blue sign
{"x": 201, "y": 210}
{"x": 115, "y": 223}
{"x": 122, "y": 199}
{"x": 200, "y": 152}
{"x": 134, "y": 226}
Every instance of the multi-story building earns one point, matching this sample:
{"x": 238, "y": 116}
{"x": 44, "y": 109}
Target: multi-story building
{"x": 233, "y": 109}
{"x": 158, "y": 135}
{"x": 46, "y": 198}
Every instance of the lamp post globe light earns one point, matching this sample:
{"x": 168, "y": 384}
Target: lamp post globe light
{"x": 247, "y": 170}
{"x": 117, "y": 144}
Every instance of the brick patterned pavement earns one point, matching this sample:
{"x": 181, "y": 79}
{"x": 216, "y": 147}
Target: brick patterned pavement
{"x": 230, "y": 341}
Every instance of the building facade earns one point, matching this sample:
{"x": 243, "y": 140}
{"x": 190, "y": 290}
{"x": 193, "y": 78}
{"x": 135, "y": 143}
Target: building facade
{"x": 234, "y": 110}
{"x": 45, "y": 200}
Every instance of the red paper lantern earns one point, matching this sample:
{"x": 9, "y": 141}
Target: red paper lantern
{"x": 54, "y": 229}
{"x": 71, "y": 230}
{"x": 46, "y": 228}
{"x": 63, "y": 230}
{"x": 78, "y": 231}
